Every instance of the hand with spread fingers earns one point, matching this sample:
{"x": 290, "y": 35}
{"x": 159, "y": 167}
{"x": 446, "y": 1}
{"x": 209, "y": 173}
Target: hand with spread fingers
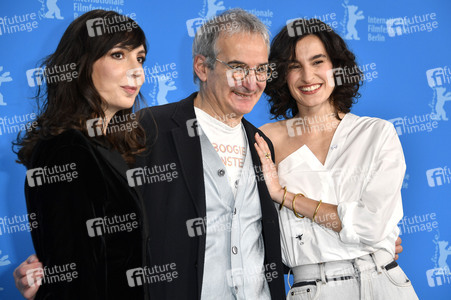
{"x": 269, "y": 169}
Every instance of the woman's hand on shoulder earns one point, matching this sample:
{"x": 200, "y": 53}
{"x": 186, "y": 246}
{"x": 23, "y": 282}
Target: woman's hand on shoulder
{"x": 269, "y": 169}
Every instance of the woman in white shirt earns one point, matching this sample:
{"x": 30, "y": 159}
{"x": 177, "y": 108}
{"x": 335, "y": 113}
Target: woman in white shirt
{"x": 340, "y": 174}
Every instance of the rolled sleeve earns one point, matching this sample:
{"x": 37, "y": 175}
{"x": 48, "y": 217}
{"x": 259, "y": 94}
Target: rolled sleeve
{"x": 346, "y": 211}
{"x": 375, "y": 215}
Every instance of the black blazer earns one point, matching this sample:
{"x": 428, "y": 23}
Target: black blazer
{"x": 63, "y": 209}
{"x": 169, "y": 205}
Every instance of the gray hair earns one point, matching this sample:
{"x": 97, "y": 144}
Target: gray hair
{"x": 230, "y": 22}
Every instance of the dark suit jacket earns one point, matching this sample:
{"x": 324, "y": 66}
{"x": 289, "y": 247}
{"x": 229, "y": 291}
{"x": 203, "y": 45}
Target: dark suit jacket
{"x": 63, "y": 208}
{"x": 170, "y": 205}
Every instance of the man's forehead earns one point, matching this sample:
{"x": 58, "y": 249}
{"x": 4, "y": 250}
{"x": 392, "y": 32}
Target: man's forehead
{"x": 243, "y": 47}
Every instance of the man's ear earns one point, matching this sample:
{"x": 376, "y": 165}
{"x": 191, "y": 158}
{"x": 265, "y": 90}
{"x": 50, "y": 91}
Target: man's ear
{"x": 200, "y": 67}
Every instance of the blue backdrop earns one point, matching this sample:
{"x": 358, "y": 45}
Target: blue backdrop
{"x": 402, "y": 47}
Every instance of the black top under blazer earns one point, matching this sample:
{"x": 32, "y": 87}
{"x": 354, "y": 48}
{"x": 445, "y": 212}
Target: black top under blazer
{"x": 169, "y": 205}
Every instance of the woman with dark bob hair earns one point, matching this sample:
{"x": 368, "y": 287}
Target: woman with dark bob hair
{"x": 339, "y": 176}
{"x": 91, "y": 233}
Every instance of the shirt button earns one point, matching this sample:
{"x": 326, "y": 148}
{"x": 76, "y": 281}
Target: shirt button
{"x": 234, "y": 250}
{"x": 236, "y": 183}
{"x": 221, "y": 172}
{"x": 234, "y": 211}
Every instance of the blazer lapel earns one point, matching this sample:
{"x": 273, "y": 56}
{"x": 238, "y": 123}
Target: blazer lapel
{"x": 189, "y": 152}
{"x": 187, "y": 144}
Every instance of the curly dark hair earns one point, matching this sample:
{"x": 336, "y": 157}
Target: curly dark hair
{"x": 283, "y": 53}
{"x": 69, "y": 104}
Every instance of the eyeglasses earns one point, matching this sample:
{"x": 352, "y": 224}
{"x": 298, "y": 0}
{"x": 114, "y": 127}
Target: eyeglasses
{"x": 240, "y": 72}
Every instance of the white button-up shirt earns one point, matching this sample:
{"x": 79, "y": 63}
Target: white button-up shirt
{"x": 363, "y": 175}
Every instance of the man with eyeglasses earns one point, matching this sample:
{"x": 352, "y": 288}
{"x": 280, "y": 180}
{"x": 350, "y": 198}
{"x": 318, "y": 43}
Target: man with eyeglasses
{"x": 217, "y": 222}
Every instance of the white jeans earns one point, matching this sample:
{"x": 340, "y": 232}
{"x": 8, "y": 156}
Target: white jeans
{"x": 365, "y": 278}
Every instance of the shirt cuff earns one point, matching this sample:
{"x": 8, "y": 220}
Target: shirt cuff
{"x": 345, "y": 213}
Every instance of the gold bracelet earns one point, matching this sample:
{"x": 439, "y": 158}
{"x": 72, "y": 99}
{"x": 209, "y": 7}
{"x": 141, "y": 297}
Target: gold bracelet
{"x": 283, "y": 199}
{"x": 292, "y": 206}
{"x": 316, "y": 210}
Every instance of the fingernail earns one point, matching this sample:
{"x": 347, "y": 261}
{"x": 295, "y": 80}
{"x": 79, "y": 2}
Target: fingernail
{"x": 31, "y": 259}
